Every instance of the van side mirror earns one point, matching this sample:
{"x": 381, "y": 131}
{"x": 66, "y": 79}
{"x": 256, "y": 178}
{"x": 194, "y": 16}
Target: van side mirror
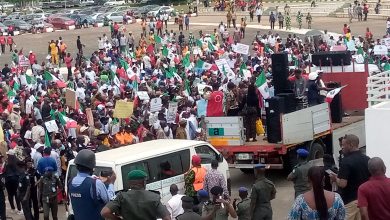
{"x": 220, "y": 158}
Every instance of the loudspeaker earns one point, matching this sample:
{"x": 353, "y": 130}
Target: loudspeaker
{"x": 273, "y": 108}
{"x": 280, "y": 72}
{"x": 334, "y": 58}
{"x": 290, "y": 101}
{"x": 336, "y": 108}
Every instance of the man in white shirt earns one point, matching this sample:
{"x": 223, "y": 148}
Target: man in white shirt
{"x": 80, "y": 91}
{"x": 259, "y": 13}
{"x": 174, "y": 205}
{"x": 90, "y": 74}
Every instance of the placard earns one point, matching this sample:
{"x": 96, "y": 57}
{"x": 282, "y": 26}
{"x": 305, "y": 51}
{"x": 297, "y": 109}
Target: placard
{"x": 115, "y": 129}
{"x": 380, "y": 50}
{"x": 155, "y": 105}
{"x": 70, "y": 97}
{"x": 241, "y": 48}
{"x": 221, "y": 64}
{"x": 88, "y": 111}
{"x": 51, "y": 126}
{"x": 386, "y": 42}
{"x": 123, "y": 109}
{"x": 201, "y": 87}
{"x": 142, "y": 95}
{"x": 172, "y": 110}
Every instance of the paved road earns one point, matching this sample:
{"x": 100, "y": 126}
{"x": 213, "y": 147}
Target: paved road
{"x": 281, "y": 205}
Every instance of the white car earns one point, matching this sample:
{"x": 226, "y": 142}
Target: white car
{"x": 115, "y": 16}
{"x": 6, "y": 5}
{"x": 114, "y": 2}
{"x": 159, "y": 10}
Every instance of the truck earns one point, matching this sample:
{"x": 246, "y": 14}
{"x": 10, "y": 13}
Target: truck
{"x": 309, "y": 128}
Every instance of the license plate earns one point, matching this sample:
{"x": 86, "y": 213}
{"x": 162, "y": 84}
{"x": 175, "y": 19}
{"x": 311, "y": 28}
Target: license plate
{"x": 243, "y": 157}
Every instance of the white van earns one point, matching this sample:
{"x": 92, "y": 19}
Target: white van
{"x": 155, "y": 157}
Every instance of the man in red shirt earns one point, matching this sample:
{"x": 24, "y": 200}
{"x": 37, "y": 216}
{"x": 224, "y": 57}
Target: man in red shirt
{"x": 116, "y": 29}
{"x": 159, "y": 26}
{"x": 68, "y": 61}
{"x": 2, "y": 43}
{"x": 374, "y": 195}
{"x": 10, "y": 42}
{"x": 32, "y": 58}
{"x": 215, "y": 102}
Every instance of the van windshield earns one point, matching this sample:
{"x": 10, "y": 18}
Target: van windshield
{"x": 97, "y": 171}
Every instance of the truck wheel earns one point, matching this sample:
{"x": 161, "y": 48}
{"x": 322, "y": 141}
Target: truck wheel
{"x": 290, "y": 160}
{"x": 316, "y": 151}
{"x": 247, "y": 171}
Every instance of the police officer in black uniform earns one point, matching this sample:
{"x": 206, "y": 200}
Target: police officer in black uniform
{"x": 189, "y": 214}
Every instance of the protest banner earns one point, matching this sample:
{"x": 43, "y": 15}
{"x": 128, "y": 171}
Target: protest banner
{"x": 241, "y": 48}
{"x": 51, "y": 126}
{"x": 380, "y": 50}
{"x": 172, "y": 110}
{"x": 88, "y": 112}
{"x": 123, "y": 109}
{"x": 142, "y": 95}
{"x": 224, "y": 68}
{"x": 70, "y": 97}
{"x": 155, "y": 105}
{"x": 386, "y": 42}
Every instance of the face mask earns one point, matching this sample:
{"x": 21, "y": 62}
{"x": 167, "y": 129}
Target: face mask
{"x": 62, "y": 147}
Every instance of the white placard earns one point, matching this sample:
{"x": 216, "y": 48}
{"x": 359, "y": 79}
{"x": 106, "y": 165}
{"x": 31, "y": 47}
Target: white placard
{"x": 51, "y": 126}
{"x": 155, "y": 105}
{"x": 223, "y": 63}
{"x": 115, "y": 129}
{"x": 172, "y": 110}
{"x": 201, "y": 88}
{"x": 380, "y": 50}
{"x": 241, "y": 48}
{"x": 142, "y": 95}
{"x": 386, "y": 42}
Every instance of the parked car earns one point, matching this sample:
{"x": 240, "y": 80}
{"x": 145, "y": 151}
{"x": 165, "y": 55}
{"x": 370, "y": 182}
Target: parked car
{"x": 6, "y": 5}
{"x": 19, "y": 25}
{"x": 82, "y": 17}
{"x": 13, "y": 16}
{"x": 3, "y": 28}
{"x": 62, "y": 22}
{"x": 41, "y": 24}
{"x": 142, "y": 11}
{"x": 87, "y": 2}
{"x": 114, "y": 2}
{"x": 115, "y": 16}
{"x": 158, "y": 10}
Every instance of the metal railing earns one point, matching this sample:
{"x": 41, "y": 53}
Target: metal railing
{"x": 378, "y": 88}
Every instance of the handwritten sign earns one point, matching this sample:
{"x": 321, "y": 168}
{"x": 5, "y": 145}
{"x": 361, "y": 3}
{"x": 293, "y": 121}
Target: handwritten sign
{"x": 386, "y": 42}
{"x": 88, "y": 111}
{"x": 142, "y": 95}
{"x": 70, "y": 96}
{"x": 380, "y": 50}
{"x": 51, "y": 126}
{"x": 155, "y": 105}
{"x": 241, "y": 48}
{"x": 123, "y": 109}
{"x": 172, "y": 109}
{"x": 223, "y": 64}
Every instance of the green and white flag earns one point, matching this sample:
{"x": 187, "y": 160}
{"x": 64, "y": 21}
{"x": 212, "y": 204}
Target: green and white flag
{"x": 203, "y": 65}
{"x": 159, "y": 40}
{"x": 186, "y": 61}
{"x": 211, "y": 46}
{"x": 199, "y": 43}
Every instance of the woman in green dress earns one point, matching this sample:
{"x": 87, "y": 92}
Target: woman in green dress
{"x": 288, "y": 21}
{"x": 299, "y": 19}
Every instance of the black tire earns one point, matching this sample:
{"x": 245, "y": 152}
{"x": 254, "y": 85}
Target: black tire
{"x": 247, "y": 170}
{"x": 316, "y": 151}
{"x": 290, "y": 160}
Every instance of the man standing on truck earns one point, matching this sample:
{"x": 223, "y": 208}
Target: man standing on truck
{"x": 353, "y": 172}
{"x": 263, "y": 191}
{"x": 87, "y": 195}
{"x": 299, "y": 173}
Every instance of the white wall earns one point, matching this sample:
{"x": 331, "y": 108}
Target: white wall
{"x": 378, "y": 132}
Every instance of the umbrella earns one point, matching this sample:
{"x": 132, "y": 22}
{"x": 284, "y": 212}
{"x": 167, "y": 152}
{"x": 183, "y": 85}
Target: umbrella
{"x": 314, "y": 33}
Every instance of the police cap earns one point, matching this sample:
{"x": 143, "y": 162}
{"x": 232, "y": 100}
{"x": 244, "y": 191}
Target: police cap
{"x": 187, "y": 199}
{"x": 303, "y": 153}
{"x": 136, "y": 175}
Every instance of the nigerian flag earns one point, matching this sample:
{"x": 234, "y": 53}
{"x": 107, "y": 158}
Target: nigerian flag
{"x": 123, "y": 63}
{"x": 170, "y": 73}
{"x": 386, "y": 67}
{"x": 11, "y": 93}
{"x": 165, "y": 51}
{"x": 47, "y": 140}
{"x": 211, "y": 46}
{"x": 16, "y": 86}
{"x": 63, "y": 119}
{"x": 360, "y": 51}
{"x": 158, "y": 39}
{"x": 186, "y": 61}
{"x": 242, "y": 68}
{"x": 224, "y": 70}
{"x": 199, "y": 43}
{"x": 203, "y": 65}
{"x": 31, "y": 79}
{"x": 260, "y": 80}
{"x": 262, "y": 86}
{"x": 187, "y": 89}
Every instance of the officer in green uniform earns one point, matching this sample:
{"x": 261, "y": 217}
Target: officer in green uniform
{"x": 263, "y": 191}
{"x": 136, "y": 203}
{"x": 219, "y": 208}
{"x": 299, "y": 173}
{"x": 243, "y": 208}
{"x": 189, "y": 214}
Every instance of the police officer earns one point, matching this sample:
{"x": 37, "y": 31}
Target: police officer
{"x": 219, "y": 208}
{"x": 299, "y": 173}
{"x": 87, "y": 195}
{"x": 189, "y": 214}
{"x": 243, "y": 208}
{"x": 136, "y": 203}
{"x": 263, "y": 191}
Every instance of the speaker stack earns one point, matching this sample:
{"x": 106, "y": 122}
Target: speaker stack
{"x": 274, "y": 107}
{"x": 331, "y": 58}
{"x": 280, "y": 72}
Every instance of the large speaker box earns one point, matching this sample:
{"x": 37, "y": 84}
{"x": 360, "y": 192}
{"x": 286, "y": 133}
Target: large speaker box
{"x": 334, "y": 58}
{"x": 280, "y": 72}
{"x": 336, "y": 108}
{"x": 273, "y": 108}
{"x": 290, "y": 101}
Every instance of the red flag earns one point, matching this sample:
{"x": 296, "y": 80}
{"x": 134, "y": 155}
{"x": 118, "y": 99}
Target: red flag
{"x": 150, "y": 49}
{"x": 215, "y": 104}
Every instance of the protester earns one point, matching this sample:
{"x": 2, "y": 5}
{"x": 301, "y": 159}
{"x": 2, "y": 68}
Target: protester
{"x": 194, "y": 179}
{"x": 215, "y": 178}
{"x": 174, "y": 205}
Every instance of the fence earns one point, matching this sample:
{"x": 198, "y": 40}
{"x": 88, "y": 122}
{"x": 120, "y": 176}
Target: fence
{"x": 378, "y": 88}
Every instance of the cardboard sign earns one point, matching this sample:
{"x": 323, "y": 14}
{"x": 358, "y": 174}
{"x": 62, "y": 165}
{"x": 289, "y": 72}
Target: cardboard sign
{"x": 386, "y": 42}
{"x": 155, "y": 105}
{"x": 70, "y": 97}
{"x": 115, "y": 129}
{"x": 172, "y": 109}
{"x": 221, "y": 64}
{"x": 142, "y": 95}
{"x": 380, "y": 50}
{"x": 241, "y": 48}
{"x": 51, "y": 126}
{"x": 88, "y": 111}
{"x": 123, "y": 109}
